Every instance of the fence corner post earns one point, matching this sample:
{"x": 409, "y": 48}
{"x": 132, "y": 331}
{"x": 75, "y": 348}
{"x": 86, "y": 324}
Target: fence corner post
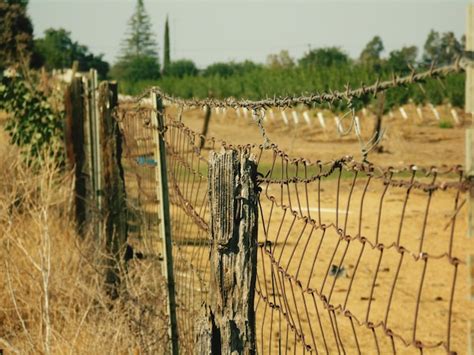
{"x": 158, "y": 125}
{"x": 233, "y": 199}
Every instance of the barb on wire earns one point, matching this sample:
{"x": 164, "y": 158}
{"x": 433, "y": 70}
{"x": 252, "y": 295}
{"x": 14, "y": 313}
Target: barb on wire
{"x": 315, "y": 98}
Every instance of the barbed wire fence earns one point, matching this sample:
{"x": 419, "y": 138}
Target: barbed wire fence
{"x": 345, "y": 255}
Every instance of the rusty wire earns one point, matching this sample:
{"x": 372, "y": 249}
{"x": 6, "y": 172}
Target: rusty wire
{"x": 353, "y": 257}
{"x": 316, "y": 98}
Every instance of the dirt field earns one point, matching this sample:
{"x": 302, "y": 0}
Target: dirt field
{"x": 409, "y": 294}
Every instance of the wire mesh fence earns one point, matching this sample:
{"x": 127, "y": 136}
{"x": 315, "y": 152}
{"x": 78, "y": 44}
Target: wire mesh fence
{"x": 352, "y": 257}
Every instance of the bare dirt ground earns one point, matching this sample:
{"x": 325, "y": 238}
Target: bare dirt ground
{"x": 412, "y": 296}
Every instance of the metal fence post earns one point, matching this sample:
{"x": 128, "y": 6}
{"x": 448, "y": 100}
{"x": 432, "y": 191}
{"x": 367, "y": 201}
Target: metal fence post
{"x": 157, "y": 121}
{"x": 229, "y": 327}
{"x": 96, "y": 159}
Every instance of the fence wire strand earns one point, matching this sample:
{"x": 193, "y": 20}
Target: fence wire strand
{"x": 353, "y": 257}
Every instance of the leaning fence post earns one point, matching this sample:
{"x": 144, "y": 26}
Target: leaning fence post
{"x": 158, "y": 125}
{"x": 114, "y": 202}
{"x": 233, "y": 199}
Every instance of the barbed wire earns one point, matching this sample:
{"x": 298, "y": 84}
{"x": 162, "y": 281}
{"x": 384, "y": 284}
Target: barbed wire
{"x": 330, "y": 97}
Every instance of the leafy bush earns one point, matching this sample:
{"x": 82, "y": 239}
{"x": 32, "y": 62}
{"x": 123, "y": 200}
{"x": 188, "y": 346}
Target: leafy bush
{"x": 34, "y": 124}
{"x": 445, "y": 124}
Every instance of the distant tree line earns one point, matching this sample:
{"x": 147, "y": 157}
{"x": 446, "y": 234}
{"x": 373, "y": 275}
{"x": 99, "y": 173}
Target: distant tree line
{"x": 320, "y": 69}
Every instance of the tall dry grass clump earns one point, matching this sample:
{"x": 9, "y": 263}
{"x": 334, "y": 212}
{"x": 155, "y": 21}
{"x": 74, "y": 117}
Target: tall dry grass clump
{"x": 52, "y": 294}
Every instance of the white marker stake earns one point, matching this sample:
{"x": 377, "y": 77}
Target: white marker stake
{"x": 307, "y": 118}
{"x": 338, "y": 124}
{"x": 419, "y": 111}
{"x": 263, "y": 114}
{"x": 390, "y": 114}
{"x": 455, "y": 115}
{"x": 237, "y": 111}
{"x": 272, "y": 114}
{"x": 284, "y": 117}
{"x": 296, "y": 118}
{"x": 321, "y": 120}
{"x": 435, "y": 111}
{"x": 246, "y": 112}
{"x": 364, "y": 112}
{"x": 403, "y": 113}
{"x": 357, "y": 125}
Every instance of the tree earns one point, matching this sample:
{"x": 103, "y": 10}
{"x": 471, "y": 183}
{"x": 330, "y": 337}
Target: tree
{"x": 139, "y": 40}
{"x": 166, "y": 55}
{"x": 324, "y": 57}
{"x": 372, "y": 51}
{"x": 281, "y": 60}
{"x": 16, "y": 34}
{"x": 136, "y": 69}
{"x": 229, "y": 69}
{"x": 182, "y": 68}
{"x": 57, "y": 50}
{"x": 399, "y": 61}
{"x": 441, "y": 48}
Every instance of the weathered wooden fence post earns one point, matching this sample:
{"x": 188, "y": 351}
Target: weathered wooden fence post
{"x": 158, "y": 125}
{"x": 230, "y": 324}
{"x": 75, "y": 153}
{"x": 114, "y": 202}
{"x": 205, "y": 128}
{"x": 470, "y": 162}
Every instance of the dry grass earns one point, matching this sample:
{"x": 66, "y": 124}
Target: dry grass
{"x": 52, "y": 298}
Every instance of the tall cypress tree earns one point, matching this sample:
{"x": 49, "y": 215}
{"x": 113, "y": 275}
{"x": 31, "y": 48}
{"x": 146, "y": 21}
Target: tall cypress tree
{"x": 167, "y": 58}
{"x": 140, "y": 40}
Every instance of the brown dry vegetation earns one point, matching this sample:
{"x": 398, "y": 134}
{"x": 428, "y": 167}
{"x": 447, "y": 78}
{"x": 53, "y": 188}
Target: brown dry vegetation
{"x": 52, "y": 298}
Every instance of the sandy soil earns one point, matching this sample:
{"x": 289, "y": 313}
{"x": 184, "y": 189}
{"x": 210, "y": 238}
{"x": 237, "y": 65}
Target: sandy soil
{"x": 298, "y": 315}
{"x": 383, "y": 290}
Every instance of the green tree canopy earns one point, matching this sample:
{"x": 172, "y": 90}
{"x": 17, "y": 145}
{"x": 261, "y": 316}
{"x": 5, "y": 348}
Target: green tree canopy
{"x": 136, "y": 69}
{"x": 324, "y": 57}
{"x": 441, "y": 48}
{"x": 57, "y": 50}
{"x": 181, "y": 68}
{"x": 229, "y": 69}
{"x": 16, "y": 33}
{"x": 280, "y": 60}
{"x": 372, "y": 51}
{"x": 399, "y": 61}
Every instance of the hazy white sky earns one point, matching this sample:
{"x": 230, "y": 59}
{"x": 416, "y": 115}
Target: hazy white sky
{"x": 221, "y": 30}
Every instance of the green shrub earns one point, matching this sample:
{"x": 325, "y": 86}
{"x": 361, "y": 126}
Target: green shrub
{"x": 34, "y": 125}
{"x": 445, "y": 124}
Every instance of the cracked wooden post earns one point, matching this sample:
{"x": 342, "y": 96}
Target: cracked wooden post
{"x": 229, "y": 327}
{"x": 114, "y": 206}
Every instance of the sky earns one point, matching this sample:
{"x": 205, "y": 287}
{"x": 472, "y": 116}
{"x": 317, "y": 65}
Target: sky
{"x": 221, "y": 30}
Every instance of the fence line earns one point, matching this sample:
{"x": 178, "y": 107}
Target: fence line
{"x": 350, "y": 255}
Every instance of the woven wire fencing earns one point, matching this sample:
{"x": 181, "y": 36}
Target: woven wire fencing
{"x": 353, "y": 257}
